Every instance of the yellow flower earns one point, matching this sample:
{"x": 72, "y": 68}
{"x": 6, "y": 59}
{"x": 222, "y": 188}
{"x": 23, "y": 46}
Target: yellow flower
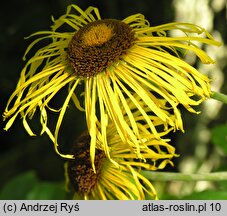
{"x": 120, "y": 180}
{"x": 112, "y": 61}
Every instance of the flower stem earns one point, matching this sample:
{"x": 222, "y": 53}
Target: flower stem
{"x": 219, "y": 96}
{"x": 171, "y": 176}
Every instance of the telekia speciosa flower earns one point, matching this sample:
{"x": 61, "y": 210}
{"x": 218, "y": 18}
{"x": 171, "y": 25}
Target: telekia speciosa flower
{"x": 121, "y": 180}
{"x": 118, "y": 64}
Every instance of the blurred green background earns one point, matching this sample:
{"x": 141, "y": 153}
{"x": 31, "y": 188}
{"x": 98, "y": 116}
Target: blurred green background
{"x": 29, "y": 167}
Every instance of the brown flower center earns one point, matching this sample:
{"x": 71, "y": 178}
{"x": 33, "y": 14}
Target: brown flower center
{"x": 80, "y": 171}
{"x": 97, "y": 45}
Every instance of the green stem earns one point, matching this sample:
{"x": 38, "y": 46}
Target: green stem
{"x": 219, "y": 96}
{"x": 171, "y": 176}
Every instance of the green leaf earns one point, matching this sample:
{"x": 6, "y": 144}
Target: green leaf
{"x": 219, "y": 137}
{"x": 28, "y": 186}
{"x": 19, "y": 186}
{"x": 207, "y": 195}
{"x": 47, "y": 191}
{"x": 222, "y": 185}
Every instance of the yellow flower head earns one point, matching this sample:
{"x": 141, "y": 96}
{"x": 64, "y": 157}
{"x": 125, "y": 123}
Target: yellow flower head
{"x": 119, "y": 64}
{"x": 120, "y": 180}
